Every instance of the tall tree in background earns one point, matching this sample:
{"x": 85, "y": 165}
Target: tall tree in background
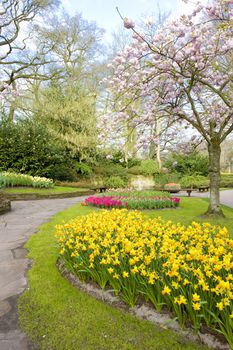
{"x": 146, "y": 138}
{"x": 68, "y": 104}
{"x": 14, "y": 15}
{"x": 19, "y": 60}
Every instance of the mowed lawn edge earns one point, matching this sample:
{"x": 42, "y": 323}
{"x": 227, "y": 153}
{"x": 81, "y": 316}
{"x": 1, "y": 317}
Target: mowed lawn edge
{"x": 56, "y": 315}
{"x": 42, "y": 191}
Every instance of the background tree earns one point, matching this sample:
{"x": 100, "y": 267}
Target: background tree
{"x": 67, "y": 104}
{"x": 14, "y": 38}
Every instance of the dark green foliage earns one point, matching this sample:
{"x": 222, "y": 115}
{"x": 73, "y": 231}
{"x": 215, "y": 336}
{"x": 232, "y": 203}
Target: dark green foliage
{"x": 83, "y": 169}
{"x": 115, "y": 182}
{"x": 147, "y": 167}
{"x": 62, "y": 172}
{"x": 27, "y": 147}
{"x": 226, "y": 180}
{"x": 107, "y": 169}
{"x": 119, "y": 158}
{"x": 194, "y": 181}
{"x": 192, "y": 163}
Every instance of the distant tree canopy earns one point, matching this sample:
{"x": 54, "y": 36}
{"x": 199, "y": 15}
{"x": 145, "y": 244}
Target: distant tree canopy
{"x": 48, "y": 89}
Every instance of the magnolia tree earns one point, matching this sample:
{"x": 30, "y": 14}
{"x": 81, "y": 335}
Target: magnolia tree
{"x": 183, "y": 74}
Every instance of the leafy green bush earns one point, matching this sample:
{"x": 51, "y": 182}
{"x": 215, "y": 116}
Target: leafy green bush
{"x": 164, "y": 178}
{"x": 107, "y": 169}
{"x": 83, "y": 169}
{"x": 147, "y": 167}
{"x": 115, "y": 182}
{"x": 194, "y": 181}
{"x": 62, "y": 172}
{"x": 188, "y": 164}
{"x": 226, "y": 180}
{"x": 135, "y": 170}
{"x": 27, "y": 147}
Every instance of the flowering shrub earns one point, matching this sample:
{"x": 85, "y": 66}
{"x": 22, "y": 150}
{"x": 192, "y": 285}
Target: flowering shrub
{"x": 10, "y": 179}
{"x": 125, "y": 200}
{"x": 188, "y": 270}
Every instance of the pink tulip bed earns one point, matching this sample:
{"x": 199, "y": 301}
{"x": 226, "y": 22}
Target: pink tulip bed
{"x": 133, "y": 200}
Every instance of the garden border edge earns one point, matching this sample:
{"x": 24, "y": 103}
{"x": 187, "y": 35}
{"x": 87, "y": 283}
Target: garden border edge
{"x": 143, "y": 311}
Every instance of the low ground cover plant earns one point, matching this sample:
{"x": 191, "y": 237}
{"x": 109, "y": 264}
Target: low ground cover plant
{"x": 187, "y": 270}
{"x": 11, "y": 179}
{"x": 133, "y": 200}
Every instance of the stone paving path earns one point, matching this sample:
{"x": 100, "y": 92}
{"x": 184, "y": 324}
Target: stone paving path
{"x": 15, "y": 229}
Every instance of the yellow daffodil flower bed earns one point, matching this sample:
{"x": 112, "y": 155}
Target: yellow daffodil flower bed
{"x": 186, "y": 270}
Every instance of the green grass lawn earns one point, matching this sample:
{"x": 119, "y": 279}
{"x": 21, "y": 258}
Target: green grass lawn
{"x": 44, "y": 191}
{"x": 192, "y": 209}
{"x": 57, "y": 316}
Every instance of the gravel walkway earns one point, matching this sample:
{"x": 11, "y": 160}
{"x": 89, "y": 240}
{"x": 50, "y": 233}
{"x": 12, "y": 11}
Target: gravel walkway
{"x": 16, "y": 227}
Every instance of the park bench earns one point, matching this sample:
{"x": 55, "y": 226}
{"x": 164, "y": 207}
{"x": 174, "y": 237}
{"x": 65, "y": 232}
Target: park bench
{"x": 99, "y": 189}
{"x": 188, "y": 190}
{"x": 203, "y": 189}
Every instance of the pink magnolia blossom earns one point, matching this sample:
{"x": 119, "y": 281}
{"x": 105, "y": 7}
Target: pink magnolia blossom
{"x": 128, "y": 23}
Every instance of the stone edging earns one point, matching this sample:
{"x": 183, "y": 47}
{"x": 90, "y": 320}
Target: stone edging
{"x": 144, "y": 311}
{"x": 35, "y": 196}
{"x": 5, "y": 204}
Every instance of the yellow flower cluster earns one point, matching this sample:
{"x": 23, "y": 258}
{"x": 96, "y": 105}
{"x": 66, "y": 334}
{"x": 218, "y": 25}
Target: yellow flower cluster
{"x": 188, "y": 269}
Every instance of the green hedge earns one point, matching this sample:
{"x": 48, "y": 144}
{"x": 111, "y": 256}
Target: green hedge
{"x": 226, "y": 180}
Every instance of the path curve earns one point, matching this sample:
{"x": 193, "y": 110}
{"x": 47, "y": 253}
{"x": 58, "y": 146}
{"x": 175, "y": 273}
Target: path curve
{"x": 16, "y": 227}
{"x": 226, "y": 198}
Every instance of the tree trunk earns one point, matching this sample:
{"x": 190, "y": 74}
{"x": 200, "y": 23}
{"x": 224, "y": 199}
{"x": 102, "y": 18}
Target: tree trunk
{"x": 12, "y": 105}
{"x": 155, "y": 147}
{"x": 158, "y": 131}
{"x": 214, "y": 175}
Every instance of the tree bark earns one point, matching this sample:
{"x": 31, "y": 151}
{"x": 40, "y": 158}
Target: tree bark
{"x": 12, "y": 106}
{"x": 214, "y": 149}
{"x": 155, "y": 147}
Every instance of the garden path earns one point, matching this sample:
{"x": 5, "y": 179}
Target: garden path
{"x": 16, "y": 227}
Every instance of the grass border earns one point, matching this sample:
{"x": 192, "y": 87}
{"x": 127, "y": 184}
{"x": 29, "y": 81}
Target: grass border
{"x": 57, "y": 316}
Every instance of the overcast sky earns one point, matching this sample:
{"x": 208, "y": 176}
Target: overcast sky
{"x": 104, "y": 13}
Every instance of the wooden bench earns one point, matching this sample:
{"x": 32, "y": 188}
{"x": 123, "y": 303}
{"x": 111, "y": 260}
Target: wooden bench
{"x": 166, "y": 190}
{"x": 203, "y": 188}
{"x": 100, "y": 189}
